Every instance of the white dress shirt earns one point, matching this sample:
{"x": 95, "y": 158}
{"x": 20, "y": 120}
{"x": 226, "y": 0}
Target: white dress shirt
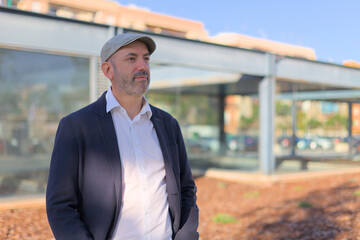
{"x": 145, "y": 210}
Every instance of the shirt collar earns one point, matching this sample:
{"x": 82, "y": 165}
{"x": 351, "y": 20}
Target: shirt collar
{"x": 112, "y": 103}
{"x": 146, "y": 108}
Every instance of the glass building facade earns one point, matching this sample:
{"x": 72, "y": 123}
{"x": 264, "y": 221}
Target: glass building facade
{"x": 37, "y": 90}
{"x": 239, "y": 110}
{"x": 220, "y": 127}
{"x": 314, "y": 126}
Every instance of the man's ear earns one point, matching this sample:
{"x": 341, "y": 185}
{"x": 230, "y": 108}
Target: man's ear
{"x": 107, "y": 70}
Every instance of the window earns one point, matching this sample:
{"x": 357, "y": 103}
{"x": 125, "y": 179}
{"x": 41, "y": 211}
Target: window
{"x": 37, "y": 89}
{"x": 195, "y": 96}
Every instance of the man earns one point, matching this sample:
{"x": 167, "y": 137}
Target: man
{"x": 119, "y": 168}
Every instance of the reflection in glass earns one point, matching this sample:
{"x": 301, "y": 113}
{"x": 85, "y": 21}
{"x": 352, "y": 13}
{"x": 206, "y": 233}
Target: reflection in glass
{"x": 196, "y": 98}
{"x": 36, "y": 90}
{"x": 198, "y": 118}
{"x": 242, "y": 130}
{"x": 312, "y": 125}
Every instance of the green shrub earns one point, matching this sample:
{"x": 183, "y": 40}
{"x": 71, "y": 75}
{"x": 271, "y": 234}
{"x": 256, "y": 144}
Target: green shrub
{"x": 222, "y": 184}
{"x": 357, "y": 193}
{"x": 251, "y": 194}
{"x": 224, "y": 218}
{"x": 298, "y": 188}
{"x": 305, "y": 204}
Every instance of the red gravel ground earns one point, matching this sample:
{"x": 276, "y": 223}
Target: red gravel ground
{"x": 323, "y": 208}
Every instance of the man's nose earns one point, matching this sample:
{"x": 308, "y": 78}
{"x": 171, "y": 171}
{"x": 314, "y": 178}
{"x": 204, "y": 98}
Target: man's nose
{"x": 143, "y": 65}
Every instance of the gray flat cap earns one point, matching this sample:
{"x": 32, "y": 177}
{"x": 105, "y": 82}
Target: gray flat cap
{"x": 118, "y": 41}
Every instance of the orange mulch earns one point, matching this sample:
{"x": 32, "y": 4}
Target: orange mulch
{"x": 323, "y": 208}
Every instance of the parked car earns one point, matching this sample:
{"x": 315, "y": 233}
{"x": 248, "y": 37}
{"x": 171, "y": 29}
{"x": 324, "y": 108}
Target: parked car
{"x": 354, "y": 141}
{"x": 309, "y": 142}
{"x": 197, "y": 146}
{"x": 285, "y": 141}
{"x": 324, "y": 143}
{"x": 242, "y": 143}
{"x": 303, "y": 143}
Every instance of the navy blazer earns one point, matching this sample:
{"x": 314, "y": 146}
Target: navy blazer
{"x": 83, "y": 198}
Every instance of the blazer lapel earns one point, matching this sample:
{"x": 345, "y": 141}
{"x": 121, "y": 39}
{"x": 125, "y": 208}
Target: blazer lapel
{"x": 171, "y": 185}
{"x": 108, "y": 135}
{"x": 159, "y": 126}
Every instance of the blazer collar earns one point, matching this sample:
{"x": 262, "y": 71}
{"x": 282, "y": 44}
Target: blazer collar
{"x": 100, "y": 106}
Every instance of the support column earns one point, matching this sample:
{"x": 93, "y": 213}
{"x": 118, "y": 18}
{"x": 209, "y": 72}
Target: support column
{"x": 221, "y": 114}
{"x": 350, "y": 137}
{"x": 267, "y": 118}
{"x": 294, "y": 119}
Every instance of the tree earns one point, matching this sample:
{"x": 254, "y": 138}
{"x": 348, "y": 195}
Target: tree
{"x": 247, "y": 122}
{"x": 282, "y": 109}
{"x": 313, "y": 123}
{"x": 337, "y": 121}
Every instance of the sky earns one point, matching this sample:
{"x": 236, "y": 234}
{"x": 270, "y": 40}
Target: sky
{"x": 330, "y": 27}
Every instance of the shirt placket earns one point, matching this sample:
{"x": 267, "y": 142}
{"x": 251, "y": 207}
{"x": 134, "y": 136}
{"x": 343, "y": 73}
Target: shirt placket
{"x": 143, "y": 180}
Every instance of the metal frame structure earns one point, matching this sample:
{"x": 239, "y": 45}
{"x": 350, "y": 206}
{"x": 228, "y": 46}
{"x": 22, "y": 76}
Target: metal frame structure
{"x": 256, "y": 71}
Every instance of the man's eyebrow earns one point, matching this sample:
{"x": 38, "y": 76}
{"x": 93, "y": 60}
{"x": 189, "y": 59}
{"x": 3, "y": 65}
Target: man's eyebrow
{"x": 135, "y": 54}
{"x": 131, "y": 54}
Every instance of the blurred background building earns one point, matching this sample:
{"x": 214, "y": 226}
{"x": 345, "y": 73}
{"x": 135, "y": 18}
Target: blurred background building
{"x": 244, "y": 103}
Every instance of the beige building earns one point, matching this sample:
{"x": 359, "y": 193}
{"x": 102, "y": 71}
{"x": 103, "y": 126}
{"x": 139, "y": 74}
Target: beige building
{"x": 351, "y": 63}
{"x": 243, "y": 41}
{"x": 112, "y": 13}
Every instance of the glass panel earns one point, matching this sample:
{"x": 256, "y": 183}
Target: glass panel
{"x": 312, "y": 126}
{"x": 198, "y": 120}
{"x": 242, "y": 131}
{"x": 194, "y": 97}
{"x": 37, "y": 89}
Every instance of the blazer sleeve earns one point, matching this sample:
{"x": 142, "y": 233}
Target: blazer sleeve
{"x": 62, "y": 195}
{"x": 189, "y": 211}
